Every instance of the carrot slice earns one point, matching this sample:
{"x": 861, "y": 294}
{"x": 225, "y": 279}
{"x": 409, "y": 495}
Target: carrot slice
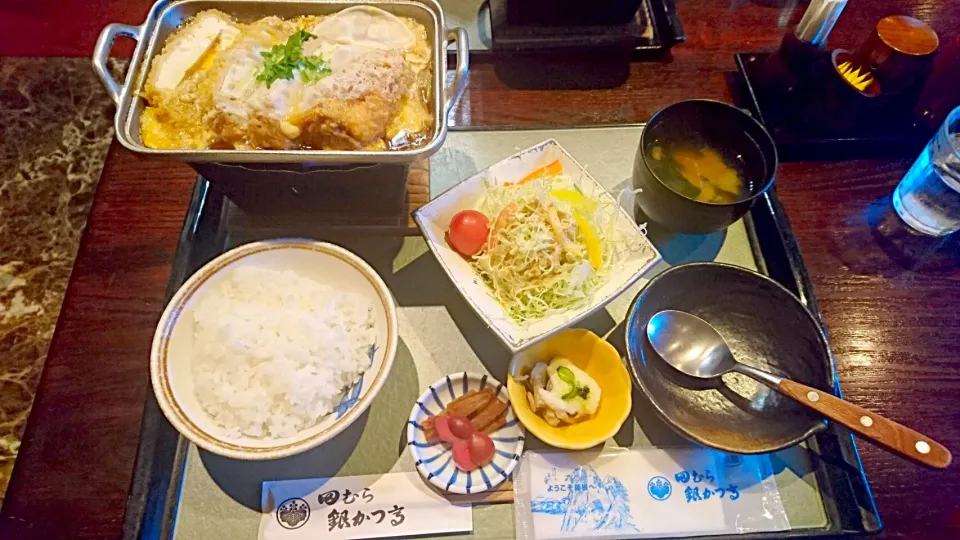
{"x": 552, "y": 169}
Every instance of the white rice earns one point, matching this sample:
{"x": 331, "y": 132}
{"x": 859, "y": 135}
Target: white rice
{"x": 274, "y": 351}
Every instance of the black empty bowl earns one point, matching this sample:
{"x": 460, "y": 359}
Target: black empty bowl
{"x": 726, "y": 129}
{"x": 766, "y": 327}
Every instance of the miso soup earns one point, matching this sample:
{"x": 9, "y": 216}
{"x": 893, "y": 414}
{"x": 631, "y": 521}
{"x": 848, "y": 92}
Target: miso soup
{"x": 705, "y": 170}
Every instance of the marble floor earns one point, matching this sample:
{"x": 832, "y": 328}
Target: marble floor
{"x": 55, "y": 130}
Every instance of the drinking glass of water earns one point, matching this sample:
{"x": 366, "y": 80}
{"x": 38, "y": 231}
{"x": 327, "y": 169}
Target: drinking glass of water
{"x": 928, "y": 197}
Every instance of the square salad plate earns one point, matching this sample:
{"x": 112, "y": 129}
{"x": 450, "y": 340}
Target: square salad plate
{"x": 635, "y": 254}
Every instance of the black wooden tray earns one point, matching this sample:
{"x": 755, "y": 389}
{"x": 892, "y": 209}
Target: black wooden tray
{"x": 660, "y": 16}
{"x": 152, "y": 506}
{"x": 889, "y": 133}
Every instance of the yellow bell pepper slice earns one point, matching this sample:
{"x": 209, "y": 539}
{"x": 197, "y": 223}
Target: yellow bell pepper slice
{"x": 591, "y": 240}
{"x": 575, "y": 198}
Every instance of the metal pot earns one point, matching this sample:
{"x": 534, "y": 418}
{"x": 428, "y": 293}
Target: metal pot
{"x": 167, "y": 15}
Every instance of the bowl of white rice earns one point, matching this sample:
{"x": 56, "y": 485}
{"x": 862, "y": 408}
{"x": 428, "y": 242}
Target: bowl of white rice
{"x": 273, "y": 348}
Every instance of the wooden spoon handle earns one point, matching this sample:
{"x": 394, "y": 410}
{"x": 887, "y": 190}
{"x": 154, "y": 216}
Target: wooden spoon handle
{"x": 888, "y": 433}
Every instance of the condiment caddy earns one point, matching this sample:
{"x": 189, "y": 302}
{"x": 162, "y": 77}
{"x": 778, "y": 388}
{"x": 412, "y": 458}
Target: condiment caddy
{"x": 819, "y": 103}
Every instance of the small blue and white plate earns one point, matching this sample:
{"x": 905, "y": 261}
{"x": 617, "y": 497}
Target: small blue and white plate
{"x": 435, "y": 460}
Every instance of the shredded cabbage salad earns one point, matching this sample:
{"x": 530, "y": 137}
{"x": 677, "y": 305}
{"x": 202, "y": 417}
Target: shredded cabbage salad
{"x": 550, "y": 245}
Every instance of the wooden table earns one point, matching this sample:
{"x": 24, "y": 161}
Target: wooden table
{"x": 892, "y": 317}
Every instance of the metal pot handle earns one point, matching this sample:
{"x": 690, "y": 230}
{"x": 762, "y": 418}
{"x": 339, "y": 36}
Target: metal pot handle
{"x": 102, "y": 51}
{"x": 455, "y": 90}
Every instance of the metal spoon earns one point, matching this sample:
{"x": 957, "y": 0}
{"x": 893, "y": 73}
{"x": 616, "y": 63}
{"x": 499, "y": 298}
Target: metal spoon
{"x": 692, "y": 346}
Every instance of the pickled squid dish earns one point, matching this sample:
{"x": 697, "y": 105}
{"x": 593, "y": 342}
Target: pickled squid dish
{"x": 358, "y": 79}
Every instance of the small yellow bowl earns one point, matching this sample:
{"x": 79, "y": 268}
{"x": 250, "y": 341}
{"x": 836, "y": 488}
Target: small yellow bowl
{"x": 602, "y": 362}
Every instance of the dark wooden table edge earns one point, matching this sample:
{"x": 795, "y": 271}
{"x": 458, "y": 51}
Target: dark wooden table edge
{"x": 153, "y": 437}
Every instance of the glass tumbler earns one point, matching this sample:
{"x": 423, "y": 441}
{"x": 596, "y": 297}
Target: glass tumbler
{"x": 928, "y": 197}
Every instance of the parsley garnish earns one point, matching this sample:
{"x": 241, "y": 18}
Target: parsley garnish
{"x": 281, "y": 61}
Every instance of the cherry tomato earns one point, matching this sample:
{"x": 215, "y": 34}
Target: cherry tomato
{"x": 468, "y": 232}
{"x": 461, "y": 456}
{"x": 442, "y": 423}
{"x": 460, "y": 426}
{"x": 481, "y": 448}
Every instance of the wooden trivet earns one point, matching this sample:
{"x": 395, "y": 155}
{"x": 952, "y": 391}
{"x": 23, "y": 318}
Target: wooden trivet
{"x": 418, "y": 188}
